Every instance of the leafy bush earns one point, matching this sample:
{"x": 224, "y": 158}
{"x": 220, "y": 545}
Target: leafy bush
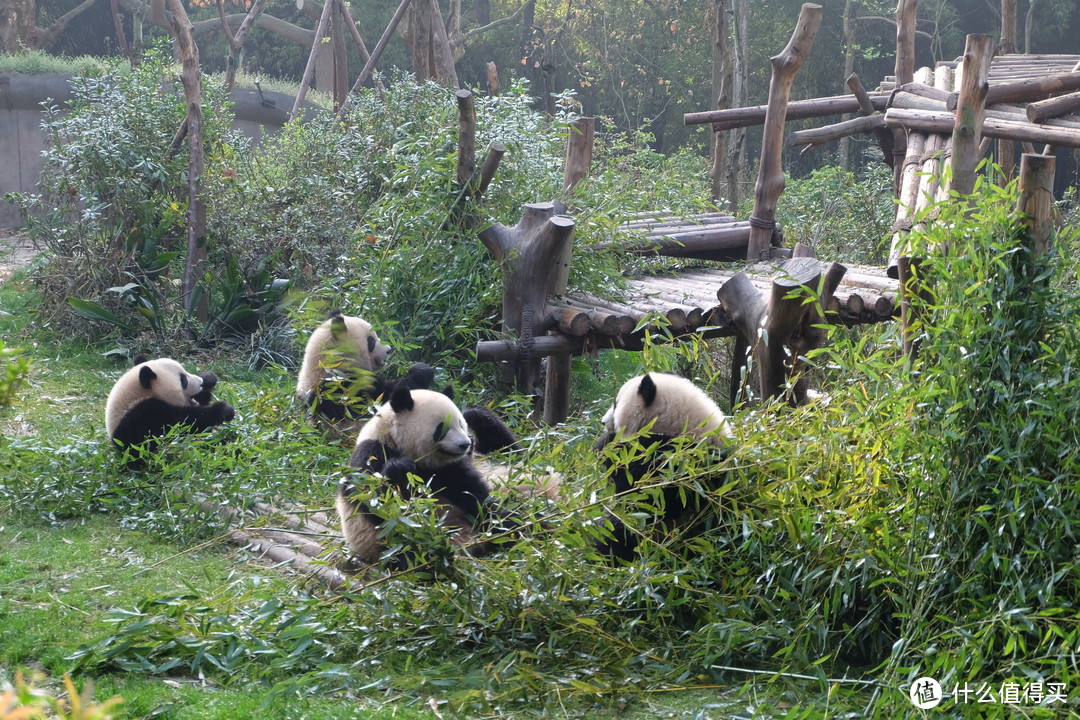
{"x": 13, "y": 371}
{"x": 992, "y": 487}
{"x": 844, "y": 216}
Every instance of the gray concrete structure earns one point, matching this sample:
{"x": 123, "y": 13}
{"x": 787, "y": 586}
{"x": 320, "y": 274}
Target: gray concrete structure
{"x": 22, "y": 141}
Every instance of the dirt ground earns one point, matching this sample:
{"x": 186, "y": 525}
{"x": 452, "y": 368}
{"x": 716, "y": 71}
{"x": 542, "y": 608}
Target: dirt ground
{"x": 15, "y": 251}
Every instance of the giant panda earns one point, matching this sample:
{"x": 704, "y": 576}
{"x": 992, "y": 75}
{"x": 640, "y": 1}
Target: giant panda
{"x": 341, "y": 360}
{"x": 423, "y": 432}
{"x": 155, "y": 395}
{"x": 661, "y": 413}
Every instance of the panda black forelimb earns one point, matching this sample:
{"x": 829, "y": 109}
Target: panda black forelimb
{"x": 490, "y": 432}
{"x": 153, "y": 418}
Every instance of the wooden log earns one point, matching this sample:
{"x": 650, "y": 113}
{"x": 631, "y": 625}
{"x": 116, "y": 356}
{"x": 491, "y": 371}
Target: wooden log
{"x": 767, "y": 325}
{"x": 943, "y": 122}
{"x": 913, "y": 295}
{"x": 770, "y": 180}
{"x": 907, "y": 196}
{"x": 570, "y": 321}
{"x": 796, "y": 110}
{"x": 579, "y": 152}
{"x": 828, "y": 133}
{"x": 579, "y": 148}
{"x": 716, "y": 238}
{"x": 1037, "y": 88}
{"x": 488, "y": 168}
{"x": 970, "y": 112}
{"x": 607, "y": 318}
{"x": 529, "y": 258}
{"x": 1043, "y": 110}
{"x": 1007, "y": 112}
{"x": 466, "y": 155}
{"x": 866, "y": 107}
{"x": 1036, "y": 200}
{"x": 652, "y": 220}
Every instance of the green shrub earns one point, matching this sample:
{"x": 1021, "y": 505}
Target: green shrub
{"x": 13, "y": 372}
{"x": 844, "y": 216}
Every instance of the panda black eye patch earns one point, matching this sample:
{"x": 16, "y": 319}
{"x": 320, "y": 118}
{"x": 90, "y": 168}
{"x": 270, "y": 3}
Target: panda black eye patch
{"x": 440, "y": 431}
{"x": 183, "y": 381}
{"x": 371, "y": 343}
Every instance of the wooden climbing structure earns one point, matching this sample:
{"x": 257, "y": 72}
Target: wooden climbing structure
{"x": 774, "y": 303}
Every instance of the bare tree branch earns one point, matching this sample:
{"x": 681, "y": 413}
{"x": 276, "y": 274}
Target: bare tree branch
{"x": 464, "y": 38}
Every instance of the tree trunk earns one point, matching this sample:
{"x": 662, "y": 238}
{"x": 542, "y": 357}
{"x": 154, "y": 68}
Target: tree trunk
{"x": 736, "y": 145}
{"x": 19, "y": 32}
{"x": 1007, "y": 46}
{"x": 196, "y": 216}
{"x": 722, "y": 63}
{"x": 849, "y": 69}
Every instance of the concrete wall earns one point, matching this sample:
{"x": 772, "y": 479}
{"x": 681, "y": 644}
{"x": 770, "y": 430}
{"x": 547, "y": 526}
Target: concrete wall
{"x": 22, "y": 141}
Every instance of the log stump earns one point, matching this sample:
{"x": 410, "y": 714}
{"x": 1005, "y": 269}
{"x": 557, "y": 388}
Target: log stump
{"x": 778, "y": 330}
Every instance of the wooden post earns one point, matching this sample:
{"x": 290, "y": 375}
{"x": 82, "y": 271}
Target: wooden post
{"x": 775, "y": 328}
{"x": 488, "y": 168}
{"x": 971, "y": 112}
{"x": 579, "y": 151}
{"x": 528, "y": 255}
{"x": 770, "y": 180}
{"x": 884, "y": 136}
{"x": 466, "y": 157}
{"x": 579, "y": 148}
{"x": 1036, "y": 199}
{"x": 907, "y": 12}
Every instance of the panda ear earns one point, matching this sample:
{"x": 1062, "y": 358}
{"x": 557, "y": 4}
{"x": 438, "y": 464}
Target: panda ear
{"x": 402, "y": 400}
{"x": 336, "y": 315}
{"x": 140, "y": 359}
{"x": 448, "y": 391}
{"x": 647, "y": 390}
{"x": 146, "y": 376}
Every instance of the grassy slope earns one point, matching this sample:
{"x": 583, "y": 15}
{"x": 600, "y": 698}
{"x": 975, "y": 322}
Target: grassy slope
{"x": 59, "y": 580}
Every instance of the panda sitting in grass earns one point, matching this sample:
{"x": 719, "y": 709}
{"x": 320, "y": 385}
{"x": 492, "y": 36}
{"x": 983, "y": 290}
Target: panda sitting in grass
{"x": 338, "y": 377}
{"x": 156, "y": 395}
{"x": 654, "y": 419}
{"x": 422, "y": 433}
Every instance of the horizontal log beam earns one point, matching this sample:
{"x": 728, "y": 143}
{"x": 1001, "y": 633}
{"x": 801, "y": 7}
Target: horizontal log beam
{"x": 796, "y": 110}
{"x": 944, "y": 122}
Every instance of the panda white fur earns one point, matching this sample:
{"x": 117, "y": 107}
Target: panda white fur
{"x": 155, "y": 395}
{"x": 344, "y": 351}
{"x": 658, "y": 411}
{"x": 424, "y": 433}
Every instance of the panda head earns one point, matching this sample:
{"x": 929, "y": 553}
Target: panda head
{"x": 424, "y": 425}
{"x": 352, "y": 339}
{"x": 665, "y": 405}
{"x": 163, "y": 379}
